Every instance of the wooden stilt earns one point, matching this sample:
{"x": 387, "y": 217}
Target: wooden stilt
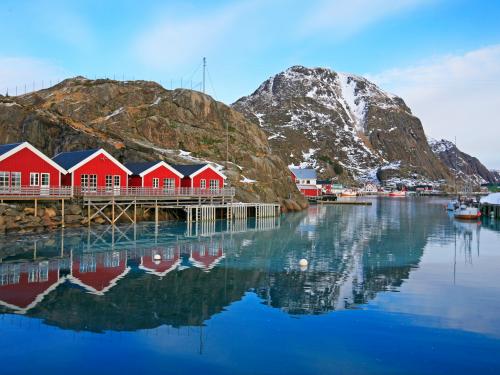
{"x": 62, "y": 213}
{"x": 113, "y": 211}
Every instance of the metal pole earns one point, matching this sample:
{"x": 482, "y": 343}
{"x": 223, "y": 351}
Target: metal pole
{"x": 204, "y": 68}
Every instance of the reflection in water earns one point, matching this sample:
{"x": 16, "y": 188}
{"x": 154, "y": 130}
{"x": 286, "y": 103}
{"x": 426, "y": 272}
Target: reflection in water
{"x": 398, "y": 263}
{"x": 144, "y": 276}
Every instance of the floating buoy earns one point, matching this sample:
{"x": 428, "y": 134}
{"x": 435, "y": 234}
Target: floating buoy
{"x": 303, "y": 263}
{"x": 157, "y": 257}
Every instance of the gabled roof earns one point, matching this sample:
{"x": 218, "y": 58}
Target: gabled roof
{"x": 304, "y": 173}
{"x": 72, "y": 160}
{"x": 11, "y": 149}
{"x": 191, "y": 170}
{"x": 143, "y": 168}
{"x": 6, "y": 148}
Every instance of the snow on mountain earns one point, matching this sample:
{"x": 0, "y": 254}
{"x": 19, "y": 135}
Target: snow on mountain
{"x": 464, "y": 166}
{"x": 354, "y": 127}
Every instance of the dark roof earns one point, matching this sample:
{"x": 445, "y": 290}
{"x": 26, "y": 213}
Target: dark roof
{"x": 7, "y": 148}
{"x": 69, "y": 159}
{"x": 324, "y": 182}
{"x": 138, "y": 168}
{"x": 187, "y": 169}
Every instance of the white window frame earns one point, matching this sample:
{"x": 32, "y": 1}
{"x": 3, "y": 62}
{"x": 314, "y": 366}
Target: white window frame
{"x": 156, "y": 183}
{"x": 34, "y": 179}
{"x": 4, "y": 180}
{"x": 169, "y": 183}
{"x": 214, "y": 184}
{"x": 42, "y": 175}
{"x": 203, "y": 183}
{"x": 108, "y": 182}
{"x": 17, "y": 178}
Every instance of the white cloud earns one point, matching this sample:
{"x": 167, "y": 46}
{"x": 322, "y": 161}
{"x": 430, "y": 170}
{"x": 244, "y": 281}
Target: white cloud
{"x": 346, "y": 17}
{"x": 21, "y": 71}
{"x": 455, "y": 95}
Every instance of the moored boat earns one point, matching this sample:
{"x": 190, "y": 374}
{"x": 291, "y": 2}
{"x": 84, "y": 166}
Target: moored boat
{"x": 348, "y": 193}
{"x": 452, "y": 205}
{"x": 397, "y": 193}
{"x": 467, "y": 213}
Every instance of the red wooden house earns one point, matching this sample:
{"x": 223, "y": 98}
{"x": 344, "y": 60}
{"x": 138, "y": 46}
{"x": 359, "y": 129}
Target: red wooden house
{"x": 23, "y": 286}
{"x": 22, "y": 165}
{"x": 99, "y": 272}
{"x": 202, "y": 176}
{"x": 155, "y": 174}
{"x": 91, "y": 170}
{"x": 305, "y": 179}
{"x": 169, "y": 259}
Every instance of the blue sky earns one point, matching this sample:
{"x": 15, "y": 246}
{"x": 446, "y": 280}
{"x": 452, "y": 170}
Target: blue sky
{"x": 441, "y": 56}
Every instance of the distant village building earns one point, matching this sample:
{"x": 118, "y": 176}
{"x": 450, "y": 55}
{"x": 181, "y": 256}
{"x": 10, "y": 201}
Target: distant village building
{"x": 22, "y": 165}
{"x": 155, "y": 174}
{"x": 91, "y": 170}
{"x": 202, "y": 176}
{"x": 305, "y": 179}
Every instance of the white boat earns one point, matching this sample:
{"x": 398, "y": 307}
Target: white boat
{"x": 467, "y": 213}
{"x": 348, "y": 193}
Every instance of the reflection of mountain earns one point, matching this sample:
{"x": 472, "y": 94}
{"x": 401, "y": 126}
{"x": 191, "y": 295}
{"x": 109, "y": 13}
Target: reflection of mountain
{"x": 163, "y": 277}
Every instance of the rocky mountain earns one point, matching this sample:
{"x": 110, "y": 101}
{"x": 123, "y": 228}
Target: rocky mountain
{"x": 465, "y": 167}
{"x": 342, "y": 124}
{"x": 139, "y": 120}
{"x": 496, "y": 175}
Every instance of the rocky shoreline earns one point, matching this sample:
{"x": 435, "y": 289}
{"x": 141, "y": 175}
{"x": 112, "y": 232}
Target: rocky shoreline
{"x": 20, "y": 217}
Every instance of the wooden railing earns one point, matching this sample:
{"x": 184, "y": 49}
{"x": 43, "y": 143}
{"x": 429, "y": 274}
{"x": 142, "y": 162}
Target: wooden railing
{"x": 36, "y": 191}
{"x": 68, "y": 191}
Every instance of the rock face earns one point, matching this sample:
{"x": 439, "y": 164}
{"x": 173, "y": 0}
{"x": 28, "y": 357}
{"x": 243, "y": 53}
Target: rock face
{"x": 342, "y": 124}
{"x": 467, "y": 168}
{"x": 141, "y": 120}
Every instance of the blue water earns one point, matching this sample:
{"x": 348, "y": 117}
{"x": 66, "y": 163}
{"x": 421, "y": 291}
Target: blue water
{"x": 398, "y": 287}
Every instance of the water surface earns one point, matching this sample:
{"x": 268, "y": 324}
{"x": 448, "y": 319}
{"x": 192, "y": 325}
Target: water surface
{"x": 396, "y": 287}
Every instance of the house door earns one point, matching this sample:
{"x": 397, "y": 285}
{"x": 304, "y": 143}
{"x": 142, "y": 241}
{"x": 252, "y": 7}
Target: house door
{"x": 116, "y": 183}
{"x": 45, "y": 184}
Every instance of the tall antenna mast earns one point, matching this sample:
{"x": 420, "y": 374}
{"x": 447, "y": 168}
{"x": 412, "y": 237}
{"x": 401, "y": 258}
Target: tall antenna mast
{"x": 204, "y": 68}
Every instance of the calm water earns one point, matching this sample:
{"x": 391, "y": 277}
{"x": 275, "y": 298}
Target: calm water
{"x": 398, "y": 287}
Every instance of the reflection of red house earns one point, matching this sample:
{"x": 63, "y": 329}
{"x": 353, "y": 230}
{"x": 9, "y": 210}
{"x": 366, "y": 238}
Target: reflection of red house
{"x": 23, "y": 288}
{"x": 169, "y": 260}
{"x": 206, "y": 256}
{"x": 99, "y": 272}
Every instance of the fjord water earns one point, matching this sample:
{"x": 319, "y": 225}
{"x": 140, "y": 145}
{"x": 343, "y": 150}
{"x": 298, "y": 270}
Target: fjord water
{"x": 397, "y": 287}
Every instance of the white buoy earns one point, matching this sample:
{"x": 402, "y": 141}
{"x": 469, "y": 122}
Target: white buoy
{"x": 157, "y": 257}
{"x": 303, "y": 263}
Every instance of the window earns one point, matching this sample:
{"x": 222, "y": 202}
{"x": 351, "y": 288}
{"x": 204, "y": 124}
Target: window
{"x": 169, "y": 183}
{"x": 117, "y": 181}
{"x": 34, "y": 179}
{"x": 156, "y": 182}
{"x": 45, "y": 179}
{"x": 88, "y": 182}
{"x": 109, "y": 182}
{"x": 203, "y": 183}
{"x": 15, "y": 179}
{"x": 4, "y": 180}
{"x": 214, "y": 184}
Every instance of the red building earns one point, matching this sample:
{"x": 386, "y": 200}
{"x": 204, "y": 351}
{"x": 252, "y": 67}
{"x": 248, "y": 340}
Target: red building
{"x": 23, "y": 286}
{"x": 21, "y": 164}
{"x": 99, "y": 272}
{"x": 92, "y": 169}
{"x": 160, "y": 261}
{"x": 156, "y": 174}
{"x": 305, "y": 179}
{"x": 202, "y": 176}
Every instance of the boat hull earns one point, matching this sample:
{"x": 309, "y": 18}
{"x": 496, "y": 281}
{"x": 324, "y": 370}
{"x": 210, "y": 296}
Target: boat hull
{"x": 466, "y": 216}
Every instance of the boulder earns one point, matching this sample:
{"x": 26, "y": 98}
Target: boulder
{"x": 50, "y": 212}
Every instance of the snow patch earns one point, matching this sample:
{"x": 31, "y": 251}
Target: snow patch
{"x": 246, "y": 180}
{"x": 114, "y": 113}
